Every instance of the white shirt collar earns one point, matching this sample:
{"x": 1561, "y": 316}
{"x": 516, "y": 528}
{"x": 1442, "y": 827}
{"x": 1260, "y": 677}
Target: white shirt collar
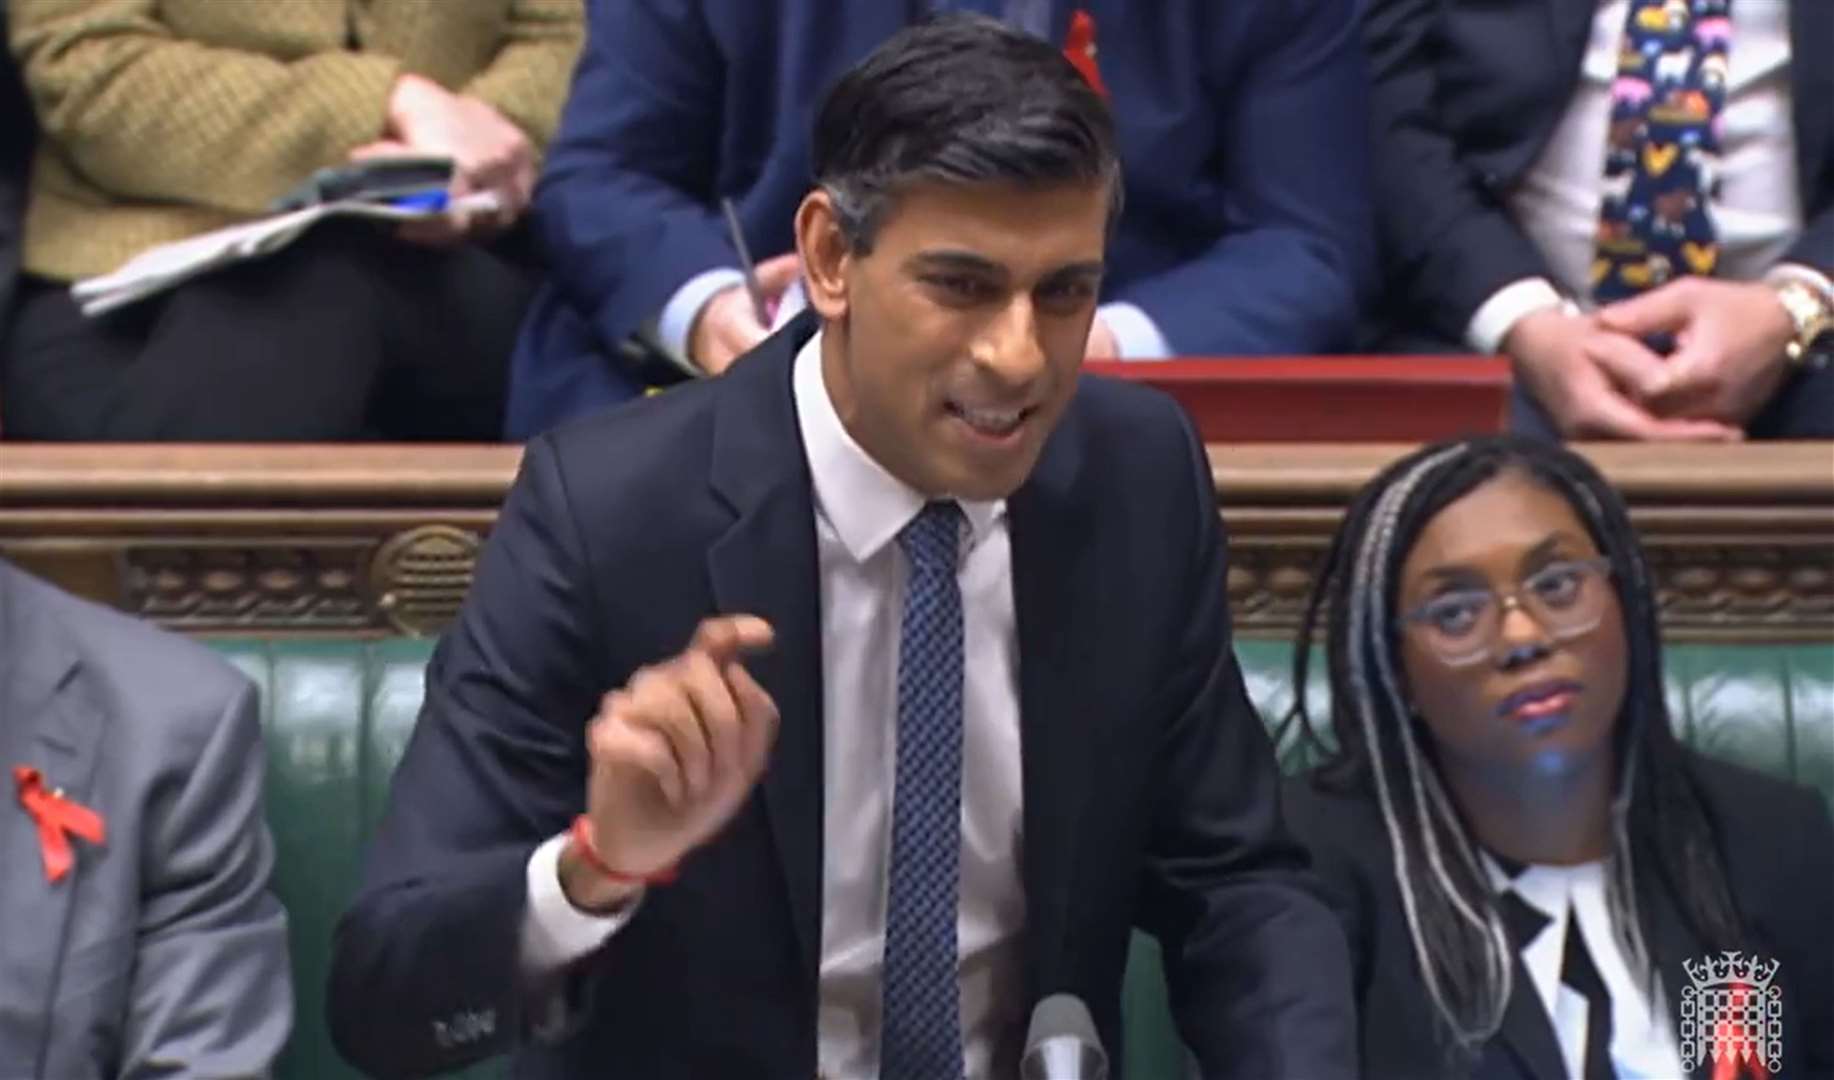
{"x": 867, "y": 505}
{"x": 1548, "y": 889}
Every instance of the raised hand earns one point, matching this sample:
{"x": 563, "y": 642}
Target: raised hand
{"x": 675, "y": 753}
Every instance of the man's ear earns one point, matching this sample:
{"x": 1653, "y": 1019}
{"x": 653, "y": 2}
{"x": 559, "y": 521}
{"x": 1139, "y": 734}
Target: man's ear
{"x": 826, "y": 255}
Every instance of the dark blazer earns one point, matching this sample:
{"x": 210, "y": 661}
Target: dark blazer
{"x": 164, "y": 947}
{"x": 1242, "y": 139}
{"x": 1466, "y": 96}
{"x": 1149, "y": 783}
{"x": 1778, "y": 847}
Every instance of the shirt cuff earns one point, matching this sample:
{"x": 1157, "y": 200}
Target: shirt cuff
{"x": 554, "y": 932}
{"x": 1807, "y": 275}
{"x": 1497, "y": 316}
{"x": 677, "y": 319}
{"x": 1136, "y": 335}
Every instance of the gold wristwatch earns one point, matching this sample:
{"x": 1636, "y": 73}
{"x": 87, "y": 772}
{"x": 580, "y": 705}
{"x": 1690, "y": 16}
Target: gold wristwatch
{"x": 1813, "y": 316}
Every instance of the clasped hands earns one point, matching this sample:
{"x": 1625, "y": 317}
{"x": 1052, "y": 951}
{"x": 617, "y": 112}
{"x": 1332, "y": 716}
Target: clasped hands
{"x": 488, "y": 152}
{"x": 1597, "y": 379}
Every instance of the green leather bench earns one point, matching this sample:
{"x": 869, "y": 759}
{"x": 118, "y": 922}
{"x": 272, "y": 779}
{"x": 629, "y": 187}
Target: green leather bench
{"x": 338, "y": 715}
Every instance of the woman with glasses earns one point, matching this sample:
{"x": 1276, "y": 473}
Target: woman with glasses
{"x": 1524, "y": 856}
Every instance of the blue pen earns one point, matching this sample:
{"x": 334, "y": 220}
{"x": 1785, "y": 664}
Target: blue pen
{"x": 433, "y": 201}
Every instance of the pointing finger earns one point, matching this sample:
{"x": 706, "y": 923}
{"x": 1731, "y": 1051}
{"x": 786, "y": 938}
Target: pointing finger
{"x": 728, "y": 637}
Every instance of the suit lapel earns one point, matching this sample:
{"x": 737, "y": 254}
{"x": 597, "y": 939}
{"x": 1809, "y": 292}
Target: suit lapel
{"x": 1051, "y": 574}
{"x": 1530, "y": 1035}
{"x": 1670, "y": 943}
{"x": 1527, "y": 1031}
{"x": 1569, "y": 29}
{"x": 765, "y": 565}
{"x": 1812, "y": 91}
{"x": 47, "y": 722}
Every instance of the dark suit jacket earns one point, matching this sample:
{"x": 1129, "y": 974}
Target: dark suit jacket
{"x": 1466, "y": 96}
{"x": 1242, "y": 138}
{"x": 164, "y": 949}
{"x": 1778, "y": 848}
{"x": 1149, "y": 783}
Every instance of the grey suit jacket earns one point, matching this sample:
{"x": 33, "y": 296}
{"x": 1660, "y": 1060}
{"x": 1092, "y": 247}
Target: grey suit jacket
{"x": 164, "y": 952}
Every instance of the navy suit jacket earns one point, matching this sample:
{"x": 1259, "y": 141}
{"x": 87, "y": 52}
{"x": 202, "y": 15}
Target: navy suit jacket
{"x": 1149, "y": 784}
{"x": 1466, "y": 96}
{"x": 1243, "y": 140}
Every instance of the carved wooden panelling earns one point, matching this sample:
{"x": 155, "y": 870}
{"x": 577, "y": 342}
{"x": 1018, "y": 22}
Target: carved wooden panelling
{"x": 420, "y": 577}
{"x": 336, "y": 541}
{"x": 206, "y": 584}
{"x": 1704, "y": 592}
{"x": 1776, "y": 588}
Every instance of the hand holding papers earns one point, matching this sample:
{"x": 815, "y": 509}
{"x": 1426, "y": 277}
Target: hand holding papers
{"x": 160, "y": 268}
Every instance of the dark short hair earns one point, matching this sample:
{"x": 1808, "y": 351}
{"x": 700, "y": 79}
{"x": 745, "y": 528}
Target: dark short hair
{"x": 958, "y": 99}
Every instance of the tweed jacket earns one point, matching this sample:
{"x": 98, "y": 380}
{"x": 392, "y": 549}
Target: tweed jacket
{"x": 165, "y": 118}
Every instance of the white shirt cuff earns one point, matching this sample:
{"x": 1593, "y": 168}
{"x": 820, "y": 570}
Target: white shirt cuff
{"x": 1497, "y": 316}
{"x": 1807, "y": 275}
{"x": 554, "y": 932}
{"x": 1136, "y": 335}
{"x": 677, "y": 319}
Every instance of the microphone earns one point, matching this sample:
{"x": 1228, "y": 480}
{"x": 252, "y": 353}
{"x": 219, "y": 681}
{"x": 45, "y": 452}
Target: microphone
{"x": 1062, "y": 1044}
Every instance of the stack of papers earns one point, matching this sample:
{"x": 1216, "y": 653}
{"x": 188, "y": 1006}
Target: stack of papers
{"x": 160, "y": 268}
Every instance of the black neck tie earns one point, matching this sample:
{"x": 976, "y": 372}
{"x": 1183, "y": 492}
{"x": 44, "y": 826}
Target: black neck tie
{"x": 1577, "y": 972}
{"x": 1524, "y": 923}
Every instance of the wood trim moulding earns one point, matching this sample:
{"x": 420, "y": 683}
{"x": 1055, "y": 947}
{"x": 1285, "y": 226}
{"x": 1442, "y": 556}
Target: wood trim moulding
{"x": 379, "y": 540}
{"x": 1740, "y": 538}
{"x": 298, "y": 541}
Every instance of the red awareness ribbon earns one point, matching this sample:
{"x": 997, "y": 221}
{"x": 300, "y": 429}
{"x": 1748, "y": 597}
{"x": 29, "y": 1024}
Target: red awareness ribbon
{"x": 58, "y": 819}
{"x": 1079, "y": 49}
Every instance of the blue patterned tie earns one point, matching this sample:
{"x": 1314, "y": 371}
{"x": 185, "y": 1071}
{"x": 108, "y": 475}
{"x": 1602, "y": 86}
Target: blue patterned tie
{"x": 922, "y": 1037}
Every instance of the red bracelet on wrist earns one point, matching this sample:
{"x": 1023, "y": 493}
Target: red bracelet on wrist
{"x": 581, "y": 834}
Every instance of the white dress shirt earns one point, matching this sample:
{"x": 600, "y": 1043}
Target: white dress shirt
{"x": 1643, "y": 1040}
{"x": 1757, "y": 212}
{"x": 859, "y": 510}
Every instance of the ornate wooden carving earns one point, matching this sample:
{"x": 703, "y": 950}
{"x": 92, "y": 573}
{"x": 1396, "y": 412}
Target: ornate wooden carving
{"x": 253, "y": 586}
{"x": 1740, "y": 538}
{"x": 1777, "y": 589}
{"x": 284, "y": 540}
{"x": 420, "y": 576}
{"x": 375, "y": 541}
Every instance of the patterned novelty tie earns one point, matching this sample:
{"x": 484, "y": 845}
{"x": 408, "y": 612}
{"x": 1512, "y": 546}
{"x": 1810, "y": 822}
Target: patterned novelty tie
{"x": 1653, "y": 222}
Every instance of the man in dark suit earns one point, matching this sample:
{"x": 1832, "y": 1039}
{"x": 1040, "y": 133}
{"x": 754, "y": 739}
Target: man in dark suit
{"x": 1586, "y": 184}
{"x": 141, "y": 934}
{"x": 957, "y": 705}
{"x": 1242, "y": 137}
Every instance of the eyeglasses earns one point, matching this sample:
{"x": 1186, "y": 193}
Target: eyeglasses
{"x": 1566, "y": 598}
